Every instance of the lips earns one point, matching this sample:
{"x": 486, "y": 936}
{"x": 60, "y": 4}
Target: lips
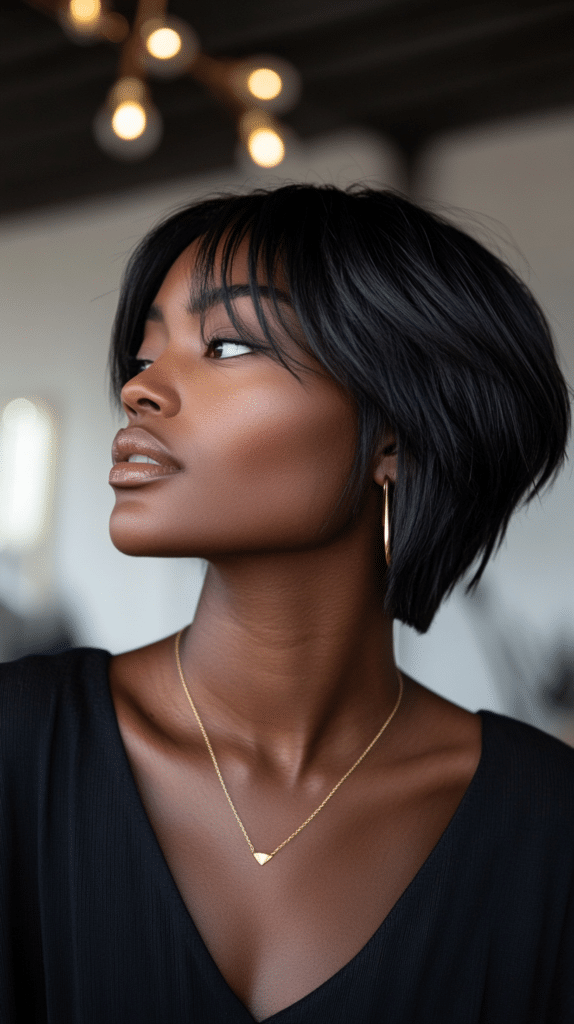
{"x": 136, "y": 441}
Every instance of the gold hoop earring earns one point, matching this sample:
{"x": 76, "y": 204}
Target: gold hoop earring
{"x": 387, "y": 522}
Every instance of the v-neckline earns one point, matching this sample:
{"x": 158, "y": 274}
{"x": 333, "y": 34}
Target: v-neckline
{"x": 170, "y": 884}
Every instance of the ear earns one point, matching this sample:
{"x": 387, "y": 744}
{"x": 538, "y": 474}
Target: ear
{"x": 385, "y": 463}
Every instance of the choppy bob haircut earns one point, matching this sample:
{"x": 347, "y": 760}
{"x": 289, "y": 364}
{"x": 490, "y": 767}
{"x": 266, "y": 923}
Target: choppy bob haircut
{"x": 430, "y": 333}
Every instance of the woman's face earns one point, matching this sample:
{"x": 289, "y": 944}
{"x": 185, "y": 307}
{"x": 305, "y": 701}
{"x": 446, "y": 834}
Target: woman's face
{"x": 262, "y": 457}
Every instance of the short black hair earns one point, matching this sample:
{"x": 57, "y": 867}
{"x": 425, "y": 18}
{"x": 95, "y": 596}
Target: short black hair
{"x": 431, "y": 334}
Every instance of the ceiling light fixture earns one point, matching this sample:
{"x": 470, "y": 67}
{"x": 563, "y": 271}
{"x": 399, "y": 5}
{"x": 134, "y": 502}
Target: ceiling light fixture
{"x": 169, "y": 46}
{"x": 163, "y": 43}
{"x": 129, "y": 127}
{"x": 274, "y": 83}
{"x": 264, "y": 84}
{"x": 84, "y": 12}
{"x": 89, "y": 21}
{"x": 262, "y": 138}
{"x": 80, "y": 20}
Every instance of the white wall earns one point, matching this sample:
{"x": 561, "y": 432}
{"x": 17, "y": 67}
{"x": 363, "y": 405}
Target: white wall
{"x": 58, "y": 292}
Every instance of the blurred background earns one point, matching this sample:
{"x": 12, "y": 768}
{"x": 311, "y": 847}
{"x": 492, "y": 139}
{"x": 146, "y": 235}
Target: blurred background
{"x": 113, "y": 114}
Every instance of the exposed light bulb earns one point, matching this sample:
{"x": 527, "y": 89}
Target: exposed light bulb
{"x": 169, "y": 46}
{"x": 264, "y": 83}
{"x": 84, "y": 12}
{"x": 262, "y": 137}
{"x": 83, "y": 21}
{"x": 128, "y": 125}
{"x": 266, "y": 147}
{"x": 264, "y": 141}
{"x": 129, "y": 120}
{"x": 271, "y": 82}
{"x": 164, "y": 43}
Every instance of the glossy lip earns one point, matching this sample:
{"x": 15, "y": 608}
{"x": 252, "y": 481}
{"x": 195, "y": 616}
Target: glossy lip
{"x": 128, "y": 474}
{"x": 136, "y": 441}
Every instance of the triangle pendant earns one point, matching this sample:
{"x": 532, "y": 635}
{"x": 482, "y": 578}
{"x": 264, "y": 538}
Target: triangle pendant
{"x": 262, "y": 858}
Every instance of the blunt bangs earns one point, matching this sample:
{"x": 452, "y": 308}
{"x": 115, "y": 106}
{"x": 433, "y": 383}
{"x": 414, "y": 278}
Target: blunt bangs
{"x": 427, "y": 331}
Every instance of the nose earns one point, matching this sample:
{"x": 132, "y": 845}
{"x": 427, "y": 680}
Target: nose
{"x": 150, "y": 393}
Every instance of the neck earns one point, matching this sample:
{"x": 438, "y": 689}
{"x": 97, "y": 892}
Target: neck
{"x": 290, "y": 653}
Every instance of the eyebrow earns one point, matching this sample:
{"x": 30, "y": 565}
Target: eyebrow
{"x": 201, "y": 303}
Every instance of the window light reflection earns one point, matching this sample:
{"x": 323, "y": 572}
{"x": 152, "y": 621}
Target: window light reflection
{"x": 26, "y": 441}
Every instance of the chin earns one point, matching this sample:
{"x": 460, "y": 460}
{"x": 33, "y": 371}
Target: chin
{"x": 127, "y": 536}
{"x": 136, "y": 540}
{"x": 131, "y": 546}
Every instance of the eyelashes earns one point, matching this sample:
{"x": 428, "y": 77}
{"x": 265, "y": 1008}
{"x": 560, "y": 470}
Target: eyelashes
{"x": 215, "y": 343}
{"x": 137, "y": 366}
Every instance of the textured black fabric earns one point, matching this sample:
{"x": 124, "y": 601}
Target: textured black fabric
{"x": 94, "y": 931}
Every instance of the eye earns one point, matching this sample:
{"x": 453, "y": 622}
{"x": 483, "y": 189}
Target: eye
{"x": 138, "y": 365}
{"x": 233, "y": 347}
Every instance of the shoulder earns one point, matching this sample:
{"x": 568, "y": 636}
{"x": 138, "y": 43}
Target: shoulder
{"x": 41, "y": 676}
{"x": 38, "y": 689}
{"x": 531, "y": 772}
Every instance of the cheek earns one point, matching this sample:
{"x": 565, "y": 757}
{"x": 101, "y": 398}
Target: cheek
{"x": 279, "y": 457}
{"x": 263, "y": 471}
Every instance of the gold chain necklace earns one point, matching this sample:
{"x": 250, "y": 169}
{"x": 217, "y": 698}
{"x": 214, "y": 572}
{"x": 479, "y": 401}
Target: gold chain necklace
{"x": 263, "y": 858}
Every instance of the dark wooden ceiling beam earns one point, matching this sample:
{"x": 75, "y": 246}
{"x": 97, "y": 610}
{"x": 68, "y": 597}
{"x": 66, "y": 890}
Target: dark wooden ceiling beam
{"x": 435, "y": 36}
{"x": 397, "y": 92}
{"x": 247, "y": 26}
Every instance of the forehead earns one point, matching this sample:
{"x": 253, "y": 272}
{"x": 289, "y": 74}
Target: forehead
{"x": 181, "y": 286}
{"x": 186, "y": 285}
{"x": 185, "y": 266}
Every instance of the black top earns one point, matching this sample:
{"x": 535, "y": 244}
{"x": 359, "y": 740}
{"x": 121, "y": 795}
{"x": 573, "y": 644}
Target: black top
{"x": 94, "y": 931}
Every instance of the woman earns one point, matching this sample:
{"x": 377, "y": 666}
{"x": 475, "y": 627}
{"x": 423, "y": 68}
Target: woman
{"x": 338, "y": 400}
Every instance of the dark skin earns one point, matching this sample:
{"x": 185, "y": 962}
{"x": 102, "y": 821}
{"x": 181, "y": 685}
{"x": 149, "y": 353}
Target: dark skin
{"x": 289, "y": 661}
